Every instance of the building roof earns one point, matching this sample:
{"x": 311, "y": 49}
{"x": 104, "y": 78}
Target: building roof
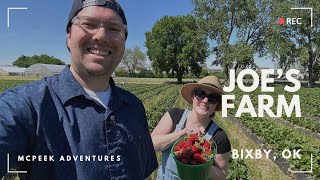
{"x": 51, "y": 67}
{"x": 12, "y": 69}
{"x": 54, "y": 68}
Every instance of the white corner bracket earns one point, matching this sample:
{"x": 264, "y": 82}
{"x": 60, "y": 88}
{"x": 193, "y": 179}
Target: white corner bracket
{"x": 306, "y": 172}
{"x": 311, "y": 13}
{"x": 8, "y": 166}
{"x": 8, "y": 13}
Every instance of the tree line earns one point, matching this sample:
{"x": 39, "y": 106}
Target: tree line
{"x": 27, "y": 61}
{"x": 237, "y": 32}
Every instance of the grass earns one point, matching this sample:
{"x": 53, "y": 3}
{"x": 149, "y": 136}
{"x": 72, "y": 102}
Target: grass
{"x": 258, "y": 168}
{"x": 28, "y": 78}
{"x": 149, "y": 80}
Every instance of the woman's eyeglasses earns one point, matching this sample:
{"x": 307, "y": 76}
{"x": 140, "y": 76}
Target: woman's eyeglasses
{"x": 212, "y": 98}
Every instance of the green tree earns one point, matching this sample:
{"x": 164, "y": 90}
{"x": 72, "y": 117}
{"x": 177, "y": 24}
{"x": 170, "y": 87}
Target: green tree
{"x": 26, "y": 61}
{"x": 296, "y": 44}
{"x": 22, "y": 61}
{"x": 177, "y": 45}
{"x": 133, "y": 59}
{"x": 237, "y": 28}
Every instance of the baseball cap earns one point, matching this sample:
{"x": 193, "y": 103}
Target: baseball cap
{"x": 111, "y": 4}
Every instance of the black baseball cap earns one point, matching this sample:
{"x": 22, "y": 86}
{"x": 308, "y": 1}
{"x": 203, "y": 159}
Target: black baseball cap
{"x": 111, "y": 4}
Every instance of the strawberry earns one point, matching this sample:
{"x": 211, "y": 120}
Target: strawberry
{"x": 180, "y": 155}
{"x": 185, "y": 153}
{"x": 193, "y": 137}
{"x": 199, "y": 158}
{"x": 176, "y": 148}
{"x": 206, "y": 144}
{"x": 181, "y": 143}
{"x": 194, "y": 149}
{"x": 208, "y": 154}
{"x": 196, "y": 155}
{"x": 202, "y": 160}
{"x": 208, "y": 151}
{"x": 189, "y": 143}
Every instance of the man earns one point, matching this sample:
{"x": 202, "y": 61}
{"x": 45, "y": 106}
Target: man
{"x": 79, "y": 125}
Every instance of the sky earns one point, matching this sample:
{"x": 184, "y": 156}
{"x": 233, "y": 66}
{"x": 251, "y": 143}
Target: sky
{"x": 41, "y": 28}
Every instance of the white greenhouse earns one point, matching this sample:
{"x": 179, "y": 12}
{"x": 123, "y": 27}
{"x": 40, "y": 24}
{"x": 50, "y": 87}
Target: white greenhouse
{"x": 10, "y": 70}
{"x": 42, "y": 70}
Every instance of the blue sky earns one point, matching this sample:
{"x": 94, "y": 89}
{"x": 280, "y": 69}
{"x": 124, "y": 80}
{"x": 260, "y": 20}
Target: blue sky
{"x": 40, "y": 29}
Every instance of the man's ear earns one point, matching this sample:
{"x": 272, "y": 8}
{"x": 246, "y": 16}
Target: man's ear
{"x": 68, "y": 37}
{"x": 69, "y": 33}
{"x": 67, "y": 44}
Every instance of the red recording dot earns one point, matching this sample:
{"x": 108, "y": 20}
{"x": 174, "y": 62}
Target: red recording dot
{"x": 281, "y": 21}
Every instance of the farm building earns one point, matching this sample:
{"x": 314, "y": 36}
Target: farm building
{"x": 42, "y": 70}
{"x": 10, "y": 70}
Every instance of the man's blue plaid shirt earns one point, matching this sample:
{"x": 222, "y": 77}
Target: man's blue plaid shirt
{"x": 55, "y": 116}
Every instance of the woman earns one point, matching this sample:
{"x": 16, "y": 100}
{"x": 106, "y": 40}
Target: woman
{"x": 205, "y": 97}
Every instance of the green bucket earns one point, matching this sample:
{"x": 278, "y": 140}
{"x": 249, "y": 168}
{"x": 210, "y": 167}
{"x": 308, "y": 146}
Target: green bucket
{"x": 192, "y": 172}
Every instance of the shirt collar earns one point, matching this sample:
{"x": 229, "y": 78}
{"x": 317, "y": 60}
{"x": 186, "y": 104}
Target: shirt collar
{"x": 70, "y": 88}
{"x": 118, "y": 96}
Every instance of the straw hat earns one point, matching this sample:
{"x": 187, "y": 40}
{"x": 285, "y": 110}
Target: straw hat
{"x": 211, "y": 83}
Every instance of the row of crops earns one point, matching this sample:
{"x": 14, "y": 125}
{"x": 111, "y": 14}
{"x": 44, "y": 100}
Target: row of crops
{"x": 309, "y": 102}
{"x": 278, "y": 136}
{"x": 5, "y": 84}
{"x": 156, "y": 99}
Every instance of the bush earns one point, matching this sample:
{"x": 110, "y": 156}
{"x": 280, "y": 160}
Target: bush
{"x": 219, "y": 75}
{"x": 144, "y": 73}
{"x": 122, "y": 74}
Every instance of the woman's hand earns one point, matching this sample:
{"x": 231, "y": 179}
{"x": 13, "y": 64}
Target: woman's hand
{"x": 193, "y": 129}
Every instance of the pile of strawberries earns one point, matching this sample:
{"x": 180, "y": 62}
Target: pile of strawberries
{"x": 193, "y": 150}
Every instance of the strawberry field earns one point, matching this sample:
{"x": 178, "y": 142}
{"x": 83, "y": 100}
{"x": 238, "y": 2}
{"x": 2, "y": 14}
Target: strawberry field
{"x": 5, "y": 84}
{"x": 276, "y": 133}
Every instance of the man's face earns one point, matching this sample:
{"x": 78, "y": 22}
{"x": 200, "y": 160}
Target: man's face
{"x": 95, "y": 53}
